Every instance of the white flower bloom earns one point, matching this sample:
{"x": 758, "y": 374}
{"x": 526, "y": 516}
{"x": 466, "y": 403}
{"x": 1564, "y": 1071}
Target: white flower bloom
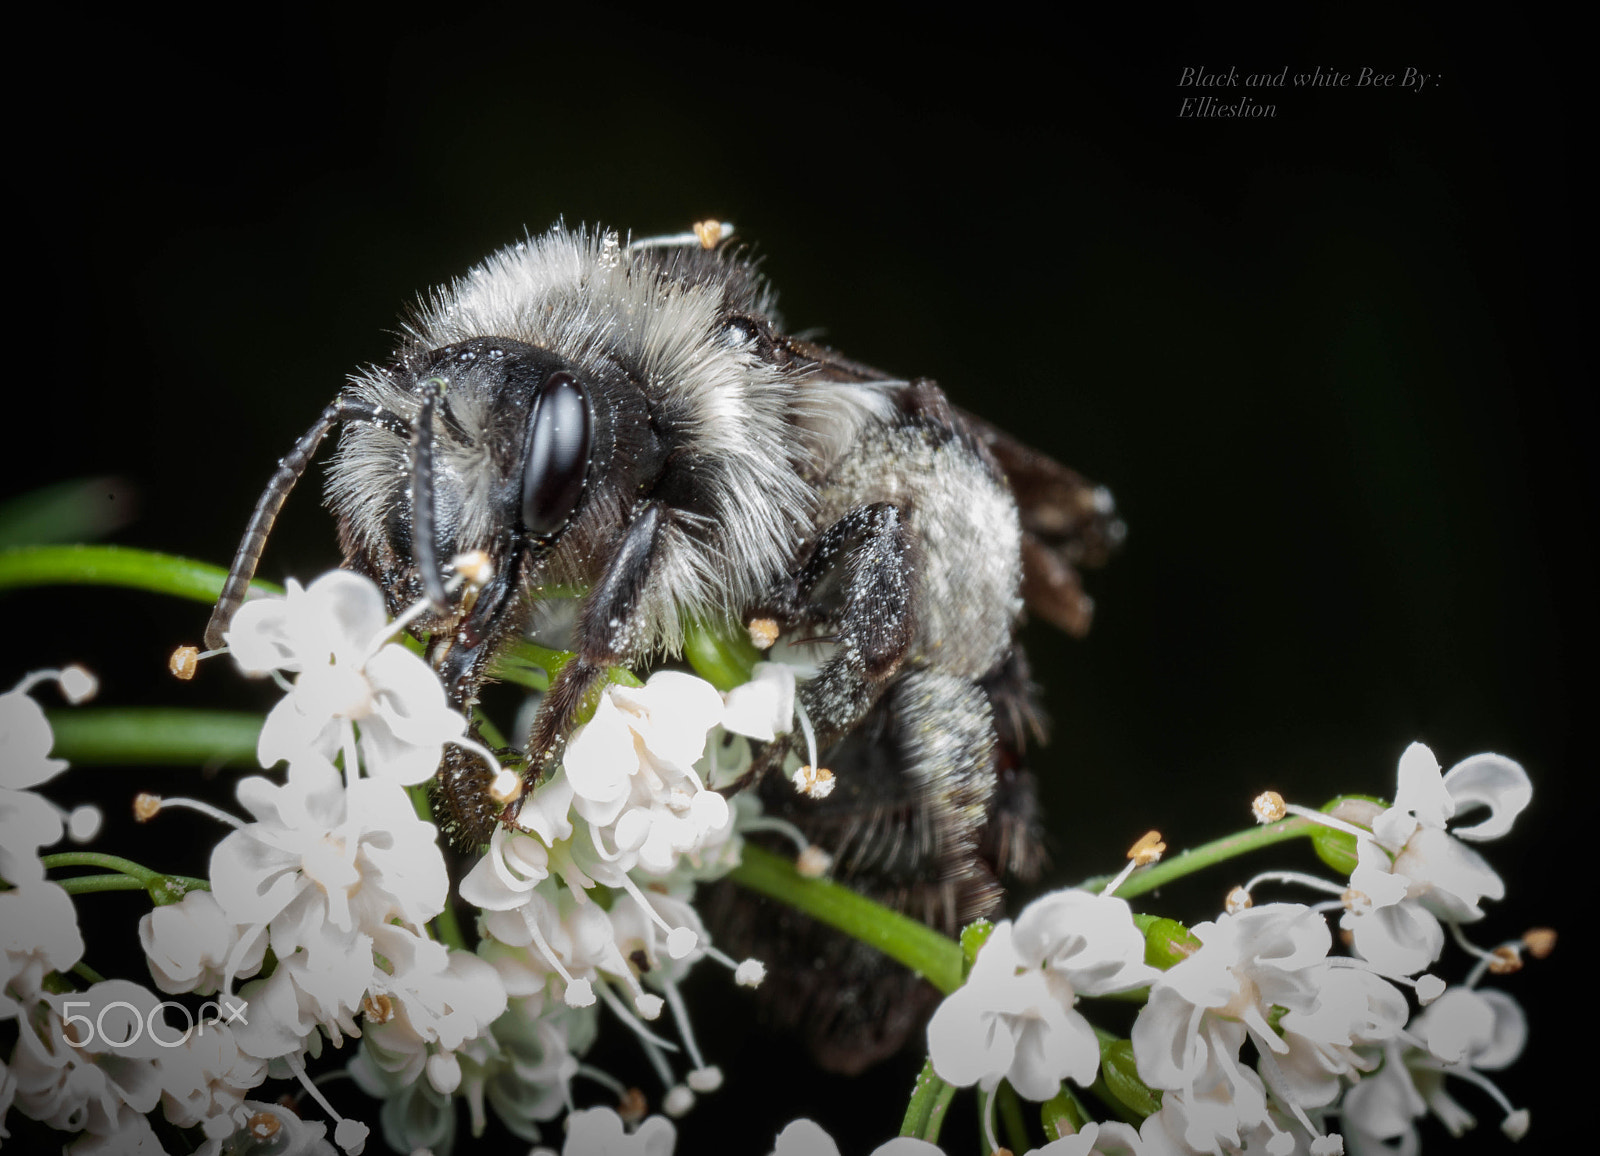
{"x": 640, "y": 747}
{"x": 107, "y": 1080}
{"x": 331, "y": 635}
{"x": 1467, "y": 1032}
{"x": 1007, "y": 1023}
{"x": 1268, "y": 961}
{"x": 27, "y": 821}
{"x": 25, "y": 741}
{"x": 189, "y": 944}
{"x": 204, "y": 1082}
{"x": 322, "y": 862}
{"x": 762, "y": 708}
{"x": 807, "y": 1138}
{"x": 1088, "y": 942}
{"x": 1014, "y": 1018}
{"x": 1113, "y": 1139}
{"x": 38, "y": 934}
{"x": 1415, "y": 871}
{"x": 441, "y": 1000}
{"x": 599, "y": 1132}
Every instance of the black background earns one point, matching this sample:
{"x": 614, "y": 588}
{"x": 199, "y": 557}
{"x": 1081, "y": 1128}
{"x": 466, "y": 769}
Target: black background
{"x": 1327, "y": 362}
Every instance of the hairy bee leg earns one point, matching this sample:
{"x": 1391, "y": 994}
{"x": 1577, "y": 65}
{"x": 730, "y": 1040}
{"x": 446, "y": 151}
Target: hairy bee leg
{"x": 290, "y": 467}
{"x": 607, "y": 626}
{"x": 905, "y": 825}
{"x": 876, "y": 623}
{"x": 423, "y": 512}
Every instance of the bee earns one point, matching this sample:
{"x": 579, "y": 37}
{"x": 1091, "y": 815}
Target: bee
{"x": 631, "y": 420}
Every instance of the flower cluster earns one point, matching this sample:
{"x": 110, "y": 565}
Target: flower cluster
{"x": 1332, "y": 1036}
{"x": 328, "y": 920}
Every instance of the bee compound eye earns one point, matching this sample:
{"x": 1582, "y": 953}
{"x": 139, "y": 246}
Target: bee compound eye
{"x": 560, "y": 430}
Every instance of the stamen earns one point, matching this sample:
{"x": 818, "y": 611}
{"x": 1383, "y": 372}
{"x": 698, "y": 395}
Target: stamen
{"x": 778, "y": 827}
{"x": 76, "y": 683}
{"x": 750, "y": 973}
{"x": 632, "y": 1106}
{"x": 1268, "y": 807}
{"x": 1146, "y": 850}
{"x": 579, "y": 993}
{"x": 1299, "y": 877}
{"x": 702, "y": 1078}
{"x": 350, "y": 1135}
{"x": 475, "y": 566}
{"x": 989, "y": 1136}
{"x": 680, "y": 940}
{"x": 763, "y": 632}
{"x": 204, "y": 808}
{"x": 83, "y": 824}
{"x": 604, "y": 1079}
{"x": 678, "y": 1101}
{"x": 184, "y": 662}
{"x": 813, "y": 862}
{"x": 1238, "y": 900}
{"x": 1540, "y": 941}
{"x": 646, "y": 1036}
{"x": 806, "y": 729}
{"x": 146, "y": 806}
{"x": 814, "y": 782}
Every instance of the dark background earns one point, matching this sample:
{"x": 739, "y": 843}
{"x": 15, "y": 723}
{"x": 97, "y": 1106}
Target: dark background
{"x": 1327, "y": 362}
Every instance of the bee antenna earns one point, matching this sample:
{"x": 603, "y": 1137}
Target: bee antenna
{"x": 290, "y": 467}
{"x": 423, "y": 519}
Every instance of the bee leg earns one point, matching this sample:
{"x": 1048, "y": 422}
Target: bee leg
{"x": 608, "y": 629}
{"x": 867, "y": 554}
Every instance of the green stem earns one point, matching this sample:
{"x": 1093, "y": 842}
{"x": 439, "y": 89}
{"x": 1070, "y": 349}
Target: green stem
{"x": 115, "y": 566}
{"x": 447, "y": 926}
{"x": 1206, "y": 855}
{"x": 116, "y": 863}
{"x": 127, "y": 735}
{"x": 1011, "y": 1119}
{"x": 930, "y": 1100}
{"x": 86, "y": 972}
{"x": 914, "y": 944}
{"x": 90, "y": 884}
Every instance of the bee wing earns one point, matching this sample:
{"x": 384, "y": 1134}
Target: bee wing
{"x": 1068, "y": 522}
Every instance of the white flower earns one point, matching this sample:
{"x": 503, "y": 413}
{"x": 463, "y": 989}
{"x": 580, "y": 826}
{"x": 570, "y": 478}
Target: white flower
{"x": 807, "y": 1138}
{"x": 25, "y": 741}
{"x": 1014, "y": 1018}
{"x": 441, "y": 1000}
{"x": 189, "y": 944}
{"x": 323, "y": 861}
{"x": 599, "y": 1132}
{"x": 640, "y": 747}
{"x": 205, "y": 1080}
{"x": 1085, "y": 941}
{"x": 100, "y": 1073}
{"x": 1094, "y": 1139}
{"x": 762, "y": 708}
{"x": 38, "y": 934}
{"x": 27, "y": 821}
{"x": 1007, "y": 1023}
{"x": 1260, "y": 962}
{"x": 331, "y": 634}
{"x": 529, "y": 1078}
{"x": 1416, "y": 872}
